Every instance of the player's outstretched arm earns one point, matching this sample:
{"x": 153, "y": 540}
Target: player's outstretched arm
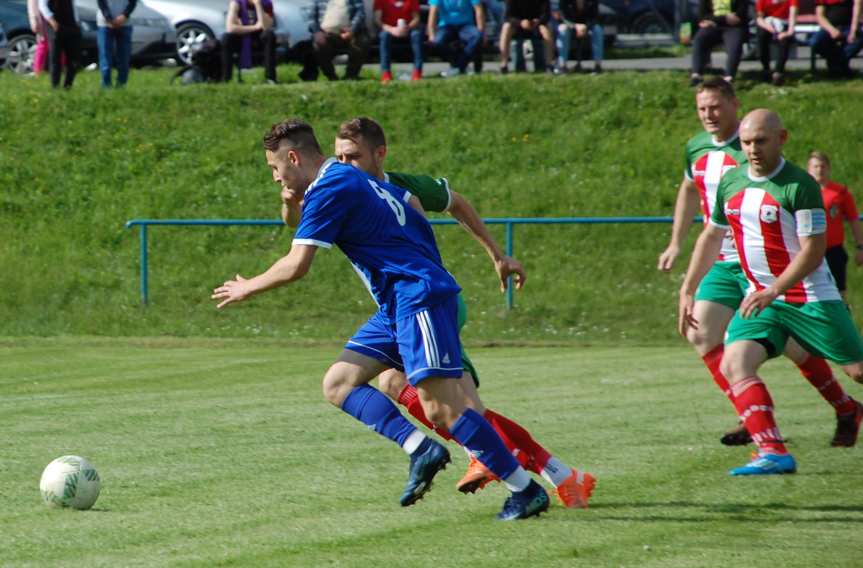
{"x": 684, "y": 211}
{"x": 287, "y": 269}
{"x": 706, "y": 250}
{"x": 811, "y": 254}
{"x": 467, "y": 216}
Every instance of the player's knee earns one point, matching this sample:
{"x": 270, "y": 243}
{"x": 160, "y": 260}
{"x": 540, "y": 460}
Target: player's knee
{"x": 702, "y": 339}
{"x": 732, "y": 368}
{"x": 391, "y": 383}
{"x": 855, "y": 371}
{"x": 336, "y": 385}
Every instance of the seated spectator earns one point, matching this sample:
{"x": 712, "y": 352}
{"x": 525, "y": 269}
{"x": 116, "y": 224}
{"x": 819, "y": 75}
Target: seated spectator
{"x": 114, "y": 38}
{"x": 400, "y": 20}
{"x": 719, "y": 21}
{"x": 524, "y": 19}
{"x": 452, "y": 22}
{"x": 64, "y": 38}
{"x": 582, "y": 17}
{"x": 249, "y": 26}
{"x": 775, "y": 20}
{"x": 839, "y": 206}
{"x": 339, "y": 26}
{"x": 839, "y": 38}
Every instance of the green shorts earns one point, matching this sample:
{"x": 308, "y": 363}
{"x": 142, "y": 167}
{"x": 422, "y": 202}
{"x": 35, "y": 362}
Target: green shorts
{"x": 465, "y": 360}
{"x": 821, "y": 328}
{"x": 725, "y": 284}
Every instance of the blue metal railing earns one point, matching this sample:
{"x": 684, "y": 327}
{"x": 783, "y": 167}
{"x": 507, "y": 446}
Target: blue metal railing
{"x": 508, "y": 222}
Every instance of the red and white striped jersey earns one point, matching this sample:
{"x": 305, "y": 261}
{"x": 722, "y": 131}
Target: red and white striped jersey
{"x": 767, "y": 215}
{"x": 706, "y": 162}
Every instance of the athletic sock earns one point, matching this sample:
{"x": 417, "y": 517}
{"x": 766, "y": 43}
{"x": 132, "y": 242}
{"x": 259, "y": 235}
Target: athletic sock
{"x": 755, "y": 408}
{"x": 527, "y": 451}
{"x": 409, "y": 398}
{"x": 818, "y": 373}
{"x": 712, "y": 360}
{"x": 474, "y": 433}
{"x": 555, "y": 471}
{"x": 374, "y": 409}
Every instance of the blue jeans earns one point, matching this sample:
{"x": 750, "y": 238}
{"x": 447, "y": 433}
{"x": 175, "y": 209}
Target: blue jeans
{"x": 416, "y": 39}
{"x": 470, "y": 38}
{"x": 837, "y": 54}
{"x": 597, "y": 38}
{"x": 115, "y": 50}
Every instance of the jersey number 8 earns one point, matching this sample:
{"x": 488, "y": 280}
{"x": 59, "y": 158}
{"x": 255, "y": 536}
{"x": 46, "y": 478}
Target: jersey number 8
{"x": 397, "y": 207}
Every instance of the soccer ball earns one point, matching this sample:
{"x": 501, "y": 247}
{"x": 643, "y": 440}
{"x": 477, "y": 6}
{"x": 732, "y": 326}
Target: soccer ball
{"x": 70, "y": 481}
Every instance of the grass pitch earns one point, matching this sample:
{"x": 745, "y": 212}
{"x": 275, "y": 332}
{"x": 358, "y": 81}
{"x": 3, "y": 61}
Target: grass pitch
{"x": 225, "y": 453}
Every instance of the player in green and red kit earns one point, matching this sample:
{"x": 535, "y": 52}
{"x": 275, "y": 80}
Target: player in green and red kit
{"x": 840, "y": 207}
{"x": 776, "y": 215}
{"x": 709, "y": 155}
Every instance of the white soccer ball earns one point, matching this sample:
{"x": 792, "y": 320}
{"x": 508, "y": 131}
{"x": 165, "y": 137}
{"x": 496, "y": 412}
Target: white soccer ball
{"x": 70, "y": 481}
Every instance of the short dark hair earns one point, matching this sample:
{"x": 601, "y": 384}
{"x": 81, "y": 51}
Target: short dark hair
{"x": 298, "y": 133}
{"x": 724, "y": 88}
{"x": 365, "y": 128}
{"x": 820, "y": 156}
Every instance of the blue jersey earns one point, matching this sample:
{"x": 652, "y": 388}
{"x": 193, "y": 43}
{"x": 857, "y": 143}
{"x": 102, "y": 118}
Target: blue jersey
{"x": 390, "y": 244}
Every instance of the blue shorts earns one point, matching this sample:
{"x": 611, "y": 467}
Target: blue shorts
{"x": 423, "y": 345}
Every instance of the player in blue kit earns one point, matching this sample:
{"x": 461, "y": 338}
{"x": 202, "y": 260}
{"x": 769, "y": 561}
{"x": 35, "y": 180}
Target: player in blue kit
{"x": 392, "y": 248}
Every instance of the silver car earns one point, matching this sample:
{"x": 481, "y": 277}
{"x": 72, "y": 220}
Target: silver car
{"x": 4, "y": 46}
{"x": 153, "y": 37}
{"x": 197, "y": 21}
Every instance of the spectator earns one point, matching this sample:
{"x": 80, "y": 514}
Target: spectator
{"x": 581, "y": 16}
{"x": 249, "y": 25}
{"x": 339, "y": 26}
{"x": 524, "y": 19}
{"x": 839, "y": 206}
{"x": 114, "y": 37}
{"x": 399, "y": 19}
{"x": 775, "y": 20}
{"x": 64, "y": 37}
{"x": 719, "y": 21}
{"x": 37, "y": 26}
{"x": 456, "y": 20}
{"x": 839, "y": 38}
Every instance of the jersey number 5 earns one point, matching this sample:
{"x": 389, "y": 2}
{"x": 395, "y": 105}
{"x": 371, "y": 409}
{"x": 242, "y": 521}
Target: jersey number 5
{"x": 396, "y": 205}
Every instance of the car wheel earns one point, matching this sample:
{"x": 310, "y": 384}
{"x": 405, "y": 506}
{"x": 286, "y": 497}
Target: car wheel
{"x": 22, "y": 52}
{"x": 649, "y": 23}
{"x": 189, "y": 38}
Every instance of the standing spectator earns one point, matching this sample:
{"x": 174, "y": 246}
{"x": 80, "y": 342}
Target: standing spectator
{"x": 114, "y": 38}
{"x": 339, "y": 26}
{"x": 249, "y": 24}
{"x": 776, "y": 20}
{"x": 523, "y": 20}
{"x": 839, "y": 206}
{"x": 581, "y": 16}
{"x": 37, "y": 26}
{"x": 719, "y": 21}
{"x": 456, "y": 20}
{"x": 64, "y": 36}
{"x": 399, "y": 19}
{"x": 839, "y": 38}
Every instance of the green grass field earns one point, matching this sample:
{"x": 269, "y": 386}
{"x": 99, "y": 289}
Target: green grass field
{"x": 224, "y": 453}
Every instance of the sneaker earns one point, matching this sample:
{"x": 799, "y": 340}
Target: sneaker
{"x": 386, "y": 77}
{"x": 847, "y": 428}
{"x": 523, "y": 504}
{"x": 575, "y": 491}
{"x": 451, "y": 72}
{"x": 476, "y": 477}
{"x": 778, "y": 79}
{"x": 597, "y": 68}
{"x": 504, "y": 69}
{"x": 429, "y": 458}
{"x": 736, "y": 437}
{"x": 416, "y": 75}
{"x": 767, "y": 464}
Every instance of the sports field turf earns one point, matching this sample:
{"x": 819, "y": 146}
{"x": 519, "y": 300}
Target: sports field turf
{"x": 225, "y": 453}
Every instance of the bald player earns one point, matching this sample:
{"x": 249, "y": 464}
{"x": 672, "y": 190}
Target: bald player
{"x": 776, "y": 216}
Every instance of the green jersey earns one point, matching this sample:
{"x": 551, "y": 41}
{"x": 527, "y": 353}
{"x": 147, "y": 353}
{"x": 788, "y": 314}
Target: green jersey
{"x": 433, "y": 193}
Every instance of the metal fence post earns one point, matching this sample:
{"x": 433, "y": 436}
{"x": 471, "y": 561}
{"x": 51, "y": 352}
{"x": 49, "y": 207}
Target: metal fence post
{"x": 144, "y": 261}
{"x": 509, "y": 235}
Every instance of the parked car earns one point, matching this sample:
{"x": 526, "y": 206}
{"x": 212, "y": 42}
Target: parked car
{"x": 197, "y": 21}
{"x": 4, "y": 46}
{"x": 644, "y": 16}
{"x": 152, "y": 40}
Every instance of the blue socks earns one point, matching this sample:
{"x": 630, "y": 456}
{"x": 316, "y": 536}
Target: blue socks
{"x": 474, "y": 433}
{"x": 374, "y": 409}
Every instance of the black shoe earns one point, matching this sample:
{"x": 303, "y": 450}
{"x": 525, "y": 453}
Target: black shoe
{"x": 736, "y": 437}
{"x": 523, "y": 504}
{"x": 847, "y": 428}
{"x": 428, "y": 459}
{"x": 597, "y": 69}
{"x": 778, "y": 79}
